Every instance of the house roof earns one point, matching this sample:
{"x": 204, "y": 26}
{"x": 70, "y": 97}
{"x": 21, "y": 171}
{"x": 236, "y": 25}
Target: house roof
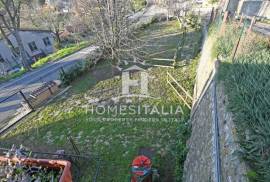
{"x": 29, "y": 30}
{"x": 134, "y": 68}
{"x": 34, "y": 30}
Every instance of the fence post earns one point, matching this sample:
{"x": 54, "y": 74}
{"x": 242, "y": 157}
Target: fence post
{"x": 215, "y": 14}
{"x": 238, "y": 42}
{"x": 26, "y": 100}
{"x": 241, "y": 19}
{"x": 223, "y": 26}
{"x": 212, "y": 15}
{"x": 251, "y": 24}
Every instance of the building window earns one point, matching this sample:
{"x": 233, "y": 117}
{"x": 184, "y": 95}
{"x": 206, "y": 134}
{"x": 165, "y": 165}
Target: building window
{"x": 1, "y": 59}
{"x": 32, "y": 46}
{"x": 47, "y": 41}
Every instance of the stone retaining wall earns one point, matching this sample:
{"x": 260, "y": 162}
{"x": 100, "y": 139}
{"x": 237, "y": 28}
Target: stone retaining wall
{"x": 200, "y": 162}
{"x": 233, "y": 169}
{"x": 198, "y": 165}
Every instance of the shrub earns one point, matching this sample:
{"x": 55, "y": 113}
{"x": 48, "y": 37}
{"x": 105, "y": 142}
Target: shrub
{"x": 194, "y": 21}
{"x": 138, "y": 5}
{"x": 75, "y": 71}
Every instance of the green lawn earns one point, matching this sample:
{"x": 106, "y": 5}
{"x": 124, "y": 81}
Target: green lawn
{"x": 114, "y": 138}
{"x": 161, "y": 40}
{"x": 115, "y": 142}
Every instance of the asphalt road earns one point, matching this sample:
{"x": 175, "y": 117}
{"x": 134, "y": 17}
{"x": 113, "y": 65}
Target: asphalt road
{"x": 32, "y": 80}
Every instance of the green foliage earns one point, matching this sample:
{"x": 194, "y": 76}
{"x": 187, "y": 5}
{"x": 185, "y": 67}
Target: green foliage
{"x": 213, "y": 1}
{"x": 193, "y": 21}
{"x": 252, "y": 175}
{"x": 75, "y": 72}
{"x": 183, "y": 131}
{"x": 13, "y": 75}
{"x": 138, "y": 5}
{"x": 247, "y": 86}
{"x": 224, "y": 44}
{"x": 60, "y": 54}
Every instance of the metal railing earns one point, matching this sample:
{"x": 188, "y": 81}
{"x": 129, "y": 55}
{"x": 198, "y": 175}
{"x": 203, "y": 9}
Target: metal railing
{"x": 13, "y": 107}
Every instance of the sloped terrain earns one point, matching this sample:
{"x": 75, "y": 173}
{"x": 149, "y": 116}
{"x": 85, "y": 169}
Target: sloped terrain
{"x": 114, "y": 139}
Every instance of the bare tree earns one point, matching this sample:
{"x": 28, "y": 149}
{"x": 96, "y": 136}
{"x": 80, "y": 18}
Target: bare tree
{"x": 108, "y": 20}
{"x": 49, "y": 17}
{"x": 10, "y": 17}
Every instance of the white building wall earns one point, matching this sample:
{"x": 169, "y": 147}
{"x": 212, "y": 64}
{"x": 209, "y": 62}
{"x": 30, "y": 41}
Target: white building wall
{"x": 27, "y": 37}
{"x": 37, "y": 37}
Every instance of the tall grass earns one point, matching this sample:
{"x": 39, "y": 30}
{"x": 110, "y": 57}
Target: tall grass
{"x": 224, "y": 43}
{"x": 247, "y": 84}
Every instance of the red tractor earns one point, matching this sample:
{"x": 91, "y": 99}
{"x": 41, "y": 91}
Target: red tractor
{"x": 142, "y": 171}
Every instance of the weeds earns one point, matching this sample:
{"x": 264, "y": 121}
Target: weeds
{"x": 247, "y": 84}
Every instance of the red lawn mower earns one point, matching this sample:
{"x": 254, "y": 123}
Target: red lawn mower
{"x": 142, "y": 171}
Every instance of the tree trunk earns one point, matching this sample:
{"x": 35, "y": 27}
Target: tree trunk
{"x": 58, "y": 40}
{"x": 23, "y": 54}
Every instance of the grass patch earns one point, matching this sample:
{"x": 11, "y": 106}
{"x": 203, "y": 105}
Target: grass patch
{"x": 138, "y": 4}
{"x": 162, "y": 40}
{"x": 100, "y": 72}
{"x": 115, "y": 141}
{"x": 12, "y": 76}
{"x": 115, "y": 138}
{"x": 247, "y": 86}
{"x": 60, "y": 54}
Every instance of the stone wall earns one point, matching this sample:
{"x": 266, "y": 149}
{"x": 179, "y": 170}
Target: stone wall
{"x": 233, "y": 169}
{"x": 200, "y": 162}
